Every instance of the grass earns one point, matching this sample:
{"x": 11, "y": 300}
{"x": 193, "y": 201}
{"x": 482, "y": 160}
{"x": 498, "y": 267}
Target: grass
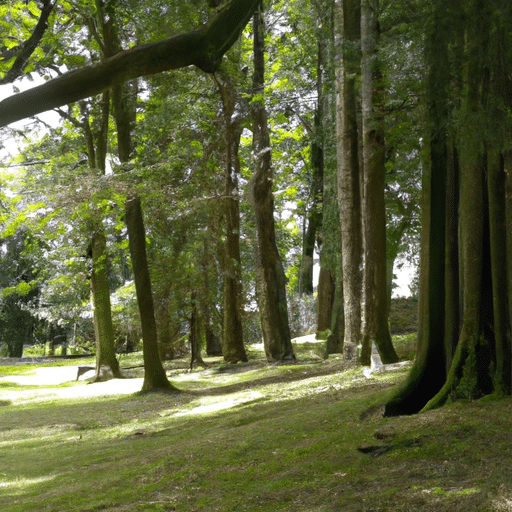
{"x": 306, "y": 437}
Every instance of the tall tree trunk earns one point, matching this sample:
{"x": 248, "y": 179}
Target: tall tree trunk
{"x": 330, "y": 297}
{"x": 498, "y": 241}
{"x": 270, "y": 277}
{"x": 349, "y": 196}
{"x": 507, "y": 168}
{"x": 165, "y": 333}
{"x": 478, "y": 362}
{"x": 500, "y": 206}
{"x": 154, "y": 373}
{"x": 376, "y": 328}
{"x": 334, "y": 343}
{"x": 105, "y": 351}
{"x": 103, "y": 328}
{"x": 452, "y": 278}
{"x": 428, "y": 373}
{"x": 314, "y": 215}
{"x": 233, "y": 347}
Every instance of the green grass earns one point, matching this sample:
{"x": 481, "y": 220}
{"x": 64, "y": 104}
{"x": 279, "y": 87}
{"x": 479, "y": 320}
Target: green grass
{"x": 252, "y": 437}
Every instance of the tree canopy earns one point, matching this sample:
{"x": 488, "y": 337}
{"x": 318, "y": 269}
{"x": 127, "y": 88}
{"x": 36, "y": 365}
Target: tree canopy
{"x": 203, "y": 167}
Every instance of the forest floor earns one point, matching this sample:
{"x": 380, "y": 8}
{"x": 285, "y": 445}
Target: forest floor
{"x": 308, "y": 436}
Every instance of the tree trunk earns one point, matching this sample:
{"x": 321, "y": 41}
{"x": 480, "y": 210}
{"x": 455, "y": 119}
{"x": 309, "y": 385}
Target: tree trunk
{"x": 105, "y": 351}
{"x": 103, "y": 328}
{"x": 452, "y": 284}
{"x": 270, "y": 277}
{"x": 498, "y": 241}
{"x": 376, "y": 328}
{"x": 325, "y": 299}
{"x": 334, "y": 343}
{"x": 330, "y": 300}
{"x": 165, "y": 333}
{"x": 470, "y": 374}
{"x": 154, "y": 373}
{"x": 232, "y": 335}
{"x": 195, "y": 336}
{"x": 481, "y": 361}
{"x": 428, "y": 373}
{"x": 314, "y": 215}
{"x": 349, "y": 197}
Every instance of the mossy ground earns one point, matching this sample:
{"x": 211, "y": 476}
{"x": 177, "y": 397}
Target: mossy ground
{"x": 252, "y": 437}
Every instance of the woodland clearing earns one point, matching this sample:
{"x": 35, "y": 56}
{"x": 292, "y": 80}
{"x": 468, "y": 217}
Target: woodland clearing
{"x": 308, "y": 436}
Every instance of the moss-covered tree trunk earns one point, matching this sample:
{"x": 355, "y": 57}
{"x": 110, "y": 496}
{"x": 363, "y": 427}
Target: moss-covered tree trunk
{"x": 481, "y": 362}
{"x": 330, "y": 296}
{"x": 155, "y": 377}
{"x": 325, "y": 294}
{"x": 270, "y": 277}
{"x": 103, "y": 329}
{"x": 105, "y": 350}
{"x": 314, "y": 215}
{"x": 349, "y": 195}
{"x": 428, "y": 373}
{"x": 376, "y": 328}
{"x": 233, "y": 347}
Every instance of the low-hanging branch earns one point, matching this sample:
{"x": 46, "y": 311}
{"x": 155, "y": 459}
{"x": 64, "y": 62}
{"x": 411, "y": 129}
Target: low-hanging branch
{"x": 203, "y": 48}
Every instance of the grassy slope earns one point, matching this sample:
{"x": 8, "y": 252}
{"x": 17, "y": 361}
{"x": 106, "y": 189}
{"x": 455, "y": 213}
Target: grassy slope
{"x": 254, "y": 437}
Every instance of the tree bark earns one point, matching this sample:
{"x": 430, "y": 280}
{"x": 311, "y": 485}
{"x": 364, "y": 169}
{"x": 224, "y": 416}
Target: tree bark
{"x": 195, "y": 336}
{"x": 428, "y": 373}
{"x": 154, "y": 373}
{"x": 103, "y": 328}
{"x": 349, "y": 197}
{"x": 155, "y": 377}
{"x": 334, "y": 343}
{"x": 203, "y": 48}
{"x": 326, "y": 289}
{"x": 270, "y": 277}
{"x": 233, "y": 347}
{"x": 376, "y": 328}
{"x": 314, "y": 215}
{"x": 105, "y": 351}
{"x": 330, "y": 300}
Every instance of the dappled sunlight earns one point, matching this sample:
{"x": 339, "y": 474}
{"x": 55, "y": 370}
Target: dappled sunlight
{"x": 22, "y": 483}
{"x": 502, "y": 504}
{"x": 60, "y": 383}
{"x": 214, "y": 404}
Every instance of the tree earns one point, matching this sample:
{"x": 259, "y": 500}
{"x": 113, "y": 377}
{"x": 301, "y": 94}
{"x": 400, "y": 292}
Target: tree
{"x": 232, "y": 335}
{"x": 203, "y": 48}
{"x": 376, "y": 329}
{"x": 471, "y": 358}
{"x": 19, "y": 288}
{"x": 270, "y": 277}
{"x": 349, "y": 196}
{"x": 15, "y": 58}
{"x": 155, "y": 377}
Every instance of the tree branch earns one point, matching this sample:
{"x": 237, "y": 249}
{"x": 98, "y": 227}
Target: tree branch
{"x": 29, "y": 46}
{"x": 203, "y": 48}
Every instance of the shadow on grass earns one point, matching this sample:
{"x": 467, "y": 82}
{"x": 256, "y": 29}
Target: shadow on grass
{"x": 295, "y": 373}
